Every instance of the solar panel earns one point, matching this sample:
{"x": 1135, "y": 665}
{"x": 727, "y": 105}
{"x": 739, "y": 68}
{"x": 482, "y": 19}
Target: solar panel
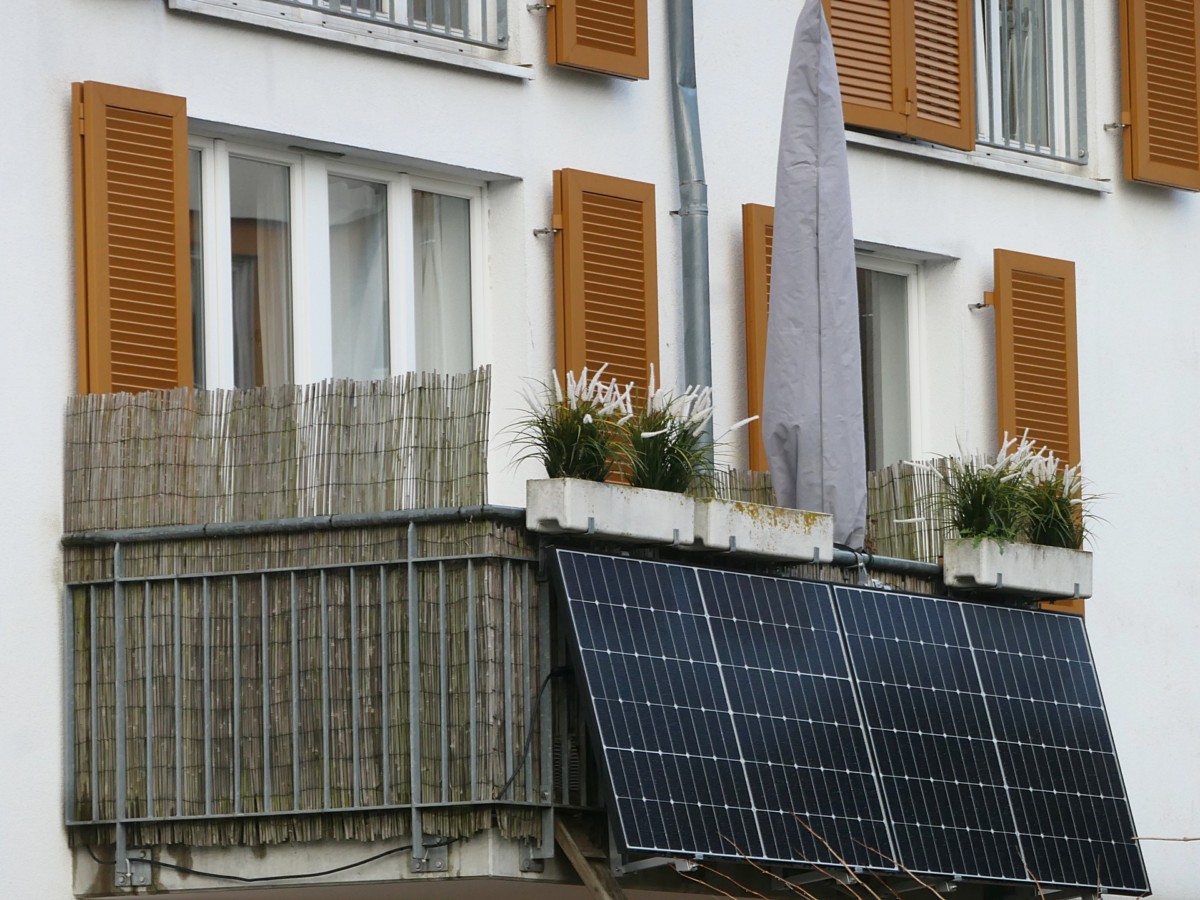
{"x": 796, "y": 722}
{"x": 725, "y": 713}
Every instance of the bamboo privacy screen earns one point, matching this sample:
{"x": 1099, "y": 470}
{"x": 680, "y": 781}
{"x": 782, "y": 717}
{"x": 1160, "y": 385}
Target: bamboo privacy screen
{"x": 183, "y": 457}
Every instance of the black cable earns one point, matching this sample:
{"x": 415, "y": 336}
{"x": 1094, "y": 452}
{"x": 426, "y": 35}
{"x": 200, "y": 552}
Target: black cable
{"x": 531, "y": 729}
{"x": 187, "y": 870}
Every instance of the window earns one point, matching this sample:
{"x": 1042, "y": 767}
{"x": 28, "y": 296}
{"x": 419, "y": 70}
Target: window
{"x": 886, "y": 330}
{"x": 1002, "y": 73}
{"x": 889, "y": 331}
{"x": 308, "y": 267}
{"x": 1030, "y": 77}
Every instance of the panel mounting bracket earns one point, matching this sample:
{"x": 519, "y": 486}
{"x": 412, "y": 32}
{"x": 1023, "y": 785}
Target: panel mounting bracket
{"x": 621, "y": 867}
{"x": 1071, "y": 894}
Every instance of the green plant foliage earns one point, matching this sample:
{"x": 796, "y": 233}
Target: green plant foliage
{"x": 1025, "y": 495}
{"x": 575, "y": 434}
{"x": 665, "y": 451}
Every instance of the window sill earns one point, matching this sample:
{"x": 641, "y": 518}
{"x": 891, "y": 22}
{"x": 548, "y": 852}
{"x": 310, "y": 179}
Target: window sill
{"x": 979, "y": 160}
{"x": 315, "y": 24}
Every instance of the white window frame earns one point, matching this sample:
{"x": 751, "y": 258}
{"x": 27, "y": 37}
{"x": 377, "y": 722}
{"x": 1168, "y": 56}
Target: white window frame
{"x": 376, "y": 33}
{"x": 312, "y": 310}
{"x": 915, "y": 313}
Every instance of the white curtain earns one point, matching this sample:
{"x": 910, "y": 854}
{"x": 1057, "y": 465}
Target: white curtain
{"x": 358, "y": 278}
{"x": 442, "y": 273}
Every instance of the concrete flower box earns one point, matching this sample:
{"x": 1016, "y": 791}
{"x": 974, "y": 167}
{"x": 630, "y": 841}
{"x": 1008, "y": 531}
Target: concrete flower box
{"x": 617, "y": 511}
{"x": 766, "y": 531}
{"x": 1026, "y": 569}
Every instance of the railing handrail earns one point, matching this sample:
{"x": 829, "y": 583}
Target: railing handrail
{"x": 484, "y": 512}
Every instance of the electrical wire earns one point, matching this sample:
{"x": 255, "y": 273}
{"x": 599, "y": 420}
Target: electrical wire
{"x": 531, "y": 729}
{"x": 246, "y": 879}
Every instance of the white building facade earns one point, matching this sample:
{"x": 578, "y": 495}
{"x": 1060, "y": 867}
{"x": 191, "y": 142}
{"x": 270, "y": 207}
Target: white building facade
{"x": 366, "y": 198}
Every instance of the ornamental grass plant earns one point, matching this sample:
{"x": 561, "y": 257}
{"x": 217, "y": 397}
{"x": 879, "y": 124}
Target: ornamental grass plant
{"x": 576, "y": 432}
{"x": 1025, "y": 495}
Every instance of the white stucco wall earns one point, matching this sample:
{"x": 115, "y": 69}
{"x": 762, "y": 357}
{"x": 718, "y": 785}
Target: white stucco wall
{"x": 1139, "y": 324}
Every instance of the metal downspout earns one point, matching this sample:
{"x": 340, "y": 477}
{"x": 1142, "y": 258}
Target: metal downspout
{"x": 693, "y": 197}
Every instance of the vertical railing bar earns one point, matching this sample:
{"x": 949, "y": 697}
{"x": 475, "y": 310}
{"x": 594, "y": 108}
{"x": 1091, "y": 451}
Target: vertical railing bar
{"x": 545, "y": 667}
{"x": 177, "y": 635}
{"x": 414, "y": 694}
{"x": 446, "y": 17}
{"x": 206, "y": 630}
{"x": 472, "y": 695}
{"x": 1080, "y": 93}
{"x": 268, "y": 789}
{"x": 484, "y": 21}
{"x": 1041, "y": 88}
{"x": 69, "y": 717}
{"x": 444, "y": 683}
{"x": 94, "y": 702}
{"x": 325, "y": 723}
{"x": 295, "y": 628}
{"x": 502, "y": 21}
{"x": 508, "y": 671}
{"x": 1069, "y": 29}
{"x": 411, "y": 19}
{"x": 119, "y": 813}
{"x": 354, "y": 710}
{"x": 148, "y": 637}
{"x": 385, "y": 698}
{"x": 527, "y": 664}
{"x": 1007, "y": 87}
{"x": 234, "y": 632}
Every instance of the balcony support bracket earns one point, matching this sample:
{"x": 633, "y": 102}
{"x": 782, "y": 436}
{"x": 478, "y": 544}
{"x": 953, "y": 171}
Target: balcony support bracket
{"x": 436, "y": 858}
{"x": 133, "y": 870}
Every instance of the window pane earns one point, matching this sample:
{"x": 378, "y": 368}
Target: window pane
{"x": 260, "y": 232}
{"x": 883, "y": 328}
{"x": 358, "y": 275}
{"x": 442, "y": 269}
{"x": 196, "y": 242}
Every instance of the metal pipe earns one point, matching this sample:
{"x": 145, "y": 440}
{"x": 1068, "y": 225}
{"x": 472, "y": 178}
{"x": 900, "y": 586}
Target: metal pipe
{"x": 890, "y": 564}
{"x": 289, "y": 526}
{"x": 693, "y": 197}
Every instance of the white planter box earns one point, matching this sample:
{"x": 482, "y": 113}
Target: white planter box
{"x": 572, "y": 506}
{"x": 1028, "y": 569}
{"x": 768, "y": 531}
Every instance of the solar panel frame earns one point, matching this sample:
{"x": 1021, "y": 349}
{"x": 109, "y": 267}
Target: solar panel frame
{"x": 963, "y": 654}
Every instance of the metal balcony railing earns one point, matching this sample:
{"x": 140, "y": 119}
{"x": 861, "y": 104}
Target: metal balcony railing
{"x": 224, "y": 683}
{"x": 1031, "y": 77}
{"x": 482, "y": 22}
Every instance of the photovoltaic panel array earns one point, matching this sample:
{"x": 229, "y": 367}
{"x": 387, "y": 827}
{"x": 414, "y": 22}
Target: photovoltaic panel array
{"x": 799, "y": 722}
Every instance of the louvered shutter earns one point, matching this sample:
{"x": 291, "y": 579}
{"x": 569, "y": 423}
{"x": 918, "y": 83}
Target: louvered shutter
{"x": 905, "y": 66}
{"x": 869, "y": 41}
{"x": 606, "y": 275}
{"x": 1160, "y": 52}
{"x": 758, "y": 227}
{"x": 131, "y": 220}
{"x": 1037, "y": 377}
{"x": 608, "y": 36}
{"x": 943, "y": 91}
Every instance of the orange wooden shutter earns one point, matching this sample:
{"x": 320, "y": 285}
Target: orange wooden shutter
{"x": 905, "y": 66}
{"x": 133, "y": 290}
{"x": 606, "y": 275}
{"x": 943, "y": 80}
{"x": 1037, "y": 376}
{"x": 608, "y": 36}
{"x": 869, "y": 41}
{"x": 1037, "y": 372}
{"x": 1160, "y": 55}
{"x": 758, "y": 227}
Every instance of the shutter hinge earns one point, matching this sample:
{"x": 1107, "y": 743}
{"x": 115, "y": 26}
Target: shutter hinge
{"x": 909, "y": 101}
{"x": 539, "y": 7}
{"x": 555, "y": 227}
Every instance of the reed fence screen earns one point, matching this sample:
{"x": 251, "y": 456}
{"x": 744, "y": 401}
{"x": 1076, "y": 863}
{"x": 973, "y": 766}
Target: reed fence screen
{"x": 184, "y": 457}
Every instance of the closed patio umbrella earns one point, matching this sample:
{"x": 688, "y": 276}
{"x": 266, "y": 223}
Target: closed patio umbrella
{"x": 812, "y": 392}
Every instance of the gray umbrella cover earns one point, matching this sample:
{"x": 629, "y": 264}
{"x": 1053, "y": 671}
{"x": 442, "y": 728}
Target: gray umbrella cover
{"x": 812, "y": 392}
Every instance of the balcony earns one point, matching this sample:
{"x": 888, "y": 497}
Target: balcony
{"x": 293, "y": 621}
